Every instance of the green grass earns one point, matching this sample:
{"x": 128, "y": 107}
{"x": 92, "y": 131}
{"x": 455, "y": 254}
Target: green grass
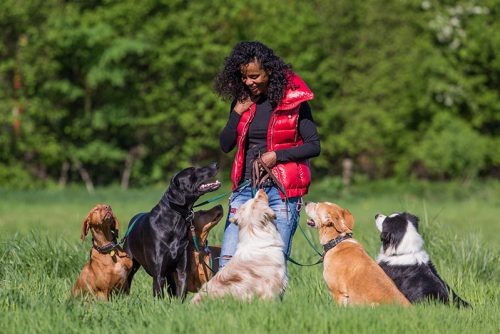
{"x": 41, "y": 256}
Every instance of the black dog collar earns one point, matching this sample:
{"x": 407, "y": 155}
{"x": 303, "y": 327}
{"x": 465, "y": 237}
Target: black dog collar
{"x": 107, "y": 248}
{"x": 334, "y": 242}
{"x": 188, "y": 215}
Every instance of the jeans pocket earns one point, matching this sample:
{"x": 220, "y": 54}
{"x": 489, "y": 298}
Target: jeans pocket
{"x": 291, "y": 213}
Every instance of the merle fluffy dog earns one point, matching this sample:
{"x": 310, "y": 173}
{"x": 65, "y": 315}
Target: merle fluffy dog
{"x": 403, "y": 259}
{"x": 158, "y": 240}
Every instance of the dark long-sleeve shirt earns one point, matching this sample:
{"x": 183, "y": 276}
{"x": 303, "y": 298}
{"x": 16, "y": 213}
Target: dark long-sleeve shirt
{"x": 257, "y": 135}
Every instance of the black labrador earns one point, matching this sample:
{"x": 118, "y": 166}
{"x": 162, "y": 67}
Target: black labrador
{"x": 158, "y": 240}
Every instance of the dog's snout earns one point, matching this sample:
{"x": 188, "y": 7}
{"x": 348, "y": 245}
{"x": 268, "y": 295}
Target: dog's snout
{"x": 214, "y": 165}
{"x": 377, "y": 215}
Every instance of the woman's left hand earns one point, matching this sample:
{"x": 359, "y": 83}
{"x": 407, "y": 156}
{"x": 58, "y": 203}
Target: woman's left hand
{"x": 269, "y": 158}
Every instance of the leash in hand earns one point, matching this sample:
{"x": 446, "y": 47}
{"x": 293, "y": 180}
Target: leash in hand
{"x": 260, "y": 175}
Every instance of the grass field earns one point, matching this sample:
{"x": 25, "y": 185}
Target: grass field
{"x": 41, "y": 256}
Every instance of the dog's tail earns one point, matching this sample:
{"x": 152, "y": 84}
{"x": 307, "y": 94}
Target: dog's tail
{"x": 459, "y": 302}
{"x": 455, "y": 299}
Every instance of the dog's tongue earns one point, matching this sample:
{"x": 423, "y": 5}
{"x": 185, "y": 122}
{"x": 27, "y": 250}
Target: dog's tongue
{"x": 311, "y": 223}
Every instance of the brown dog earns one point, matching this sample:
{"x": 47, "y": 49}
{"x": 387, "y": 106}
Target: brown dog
{"x": 203, "y": 263}
{"x": 352, "y": 276}
{"x": 107, "y": 270}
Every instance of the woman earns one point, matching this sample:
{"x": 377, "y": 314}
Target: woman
{"x": 269, "y": 117}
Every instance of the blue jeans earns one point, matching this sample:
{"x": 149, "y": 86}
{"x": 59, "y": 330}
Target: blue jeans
{"x": 286, "y": 224}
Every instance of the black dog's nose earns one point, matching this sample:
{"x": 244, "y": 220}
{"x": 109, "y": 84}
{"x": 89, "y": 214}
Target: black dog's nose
{"x": 376, "y": 216}
{"x": 214, "y": 165}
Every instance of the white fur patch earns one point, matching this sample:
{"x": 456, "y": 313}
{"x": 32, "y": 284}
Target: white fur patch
{"x": 403, "y": 260}
{"x": 412, "y": 242}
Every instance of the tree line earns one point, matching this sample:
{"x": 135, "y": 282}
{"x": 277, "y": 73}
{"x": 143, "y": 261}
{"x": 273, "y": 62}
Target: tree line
{"x": 110, "y": 92}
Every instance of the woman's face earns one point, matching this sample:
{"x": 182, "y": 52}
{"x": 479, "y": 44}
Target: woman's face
{"x": 255, "y": 78}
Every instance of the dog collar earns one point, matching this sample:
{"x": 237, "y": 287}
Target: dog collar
{"x": 334, "y": 242}
{"x": 188, "y": 215}
{"x": 107, "y": 248}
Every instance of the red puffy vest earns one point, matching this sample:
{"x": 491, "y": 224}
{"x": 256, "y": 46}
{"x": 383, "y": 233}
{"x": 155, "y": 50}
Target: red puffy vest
{"x": 282, "y": 133}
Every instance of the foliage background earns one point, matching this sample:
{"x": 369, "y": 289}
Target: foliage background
{"x": 120, "y": 91}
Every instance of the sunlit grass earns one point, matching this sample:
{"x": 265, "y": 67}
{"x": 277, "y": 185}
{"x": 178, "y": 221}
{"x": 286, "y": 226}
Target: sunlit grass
{"x": 41, "y": 255}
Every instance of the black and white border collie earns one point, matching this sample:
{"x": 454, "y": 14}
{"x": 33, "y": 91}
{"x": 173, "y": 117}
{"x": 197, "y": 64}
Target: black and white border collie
{"x": 403, "y": 259}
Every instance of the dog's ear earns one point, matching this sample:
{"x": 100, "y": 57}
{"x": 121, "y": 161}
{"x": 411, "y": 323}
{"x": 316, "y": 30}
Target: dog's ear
{"x": 85, "y": 225}
{"x": 385, "y": 237}
{"x": 325, "y": 219}
{"x": 261, "y": 195}
{"x": 412, "y": 219}
{"x": 344, "y": 223}
{"x": 348, "y": 219}
{"x": 174, "y": 195}
{"x": 116, "y": 226}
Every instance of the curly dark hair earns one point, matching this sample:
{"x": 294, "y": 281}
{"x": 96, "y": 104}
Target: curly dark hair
{"x": 228, "y": 83}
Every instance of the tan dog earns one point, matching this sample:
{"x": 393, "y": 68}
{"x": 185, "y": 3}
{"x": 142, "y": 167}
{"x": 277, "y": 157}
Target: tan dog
{"x": 351, "y": 275}
{"x": 107, "y": 270}
{"x": 257, "y": 268}
{"x": 202, "y": 262}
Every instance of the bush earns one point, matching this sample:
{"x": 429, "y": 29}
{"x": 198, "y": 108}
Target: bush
{"x": 449, "y": 148}
{"x": 15, "y": 176}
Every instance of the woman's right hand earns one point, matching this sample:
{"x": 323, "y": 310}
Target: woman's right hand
{"x": 241, "y": 107}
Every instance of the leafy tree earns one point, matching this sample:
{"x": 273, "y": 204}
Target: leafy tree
{"x": 121, "y": 91}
